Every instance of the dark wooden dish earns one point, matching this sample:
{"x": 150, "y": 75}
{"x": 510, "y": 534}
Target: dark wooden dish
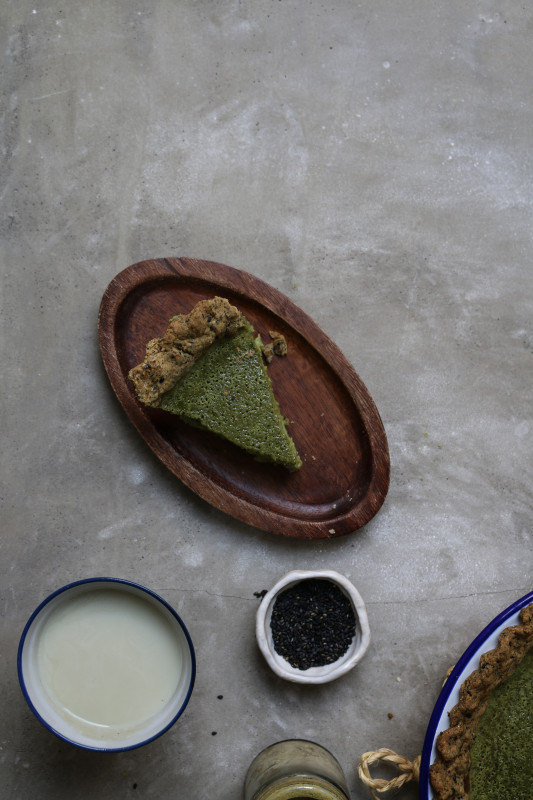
{"x": 336, "y": 426}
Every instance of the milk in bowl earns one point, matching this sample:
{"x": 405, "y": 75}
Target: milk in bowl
{"x": 106, "y": 664}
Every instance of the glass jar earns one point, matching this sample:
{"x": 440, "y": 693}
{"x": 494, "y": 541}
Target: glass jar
{"x": 295, "y": 768}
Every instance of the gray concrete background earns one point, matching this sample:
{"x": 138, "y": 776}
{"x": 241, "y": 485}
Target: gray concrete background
{"x": 373, "y": 161}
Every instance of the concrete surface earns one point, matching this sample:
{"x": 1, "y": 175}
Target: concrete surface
{"x": 373, "y": 161}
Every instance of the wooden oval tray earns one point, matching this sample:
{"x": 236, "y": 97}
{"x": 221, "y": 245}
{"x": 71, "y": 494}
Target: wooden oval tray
{"x": 334, "y": 423}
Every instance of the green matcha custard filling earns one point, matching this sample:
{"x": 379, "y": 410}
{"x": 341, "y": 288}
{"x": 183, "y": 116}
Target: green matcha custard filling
{"x": 208, "y": 369}
{"x": 229, "y": 392}
{"x": 502, "y": 753}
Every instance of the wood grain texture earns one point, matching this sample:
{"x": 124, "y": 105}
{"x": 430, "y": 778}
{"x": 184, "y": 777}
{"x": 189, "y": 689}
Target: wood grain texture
{"x": 334, "y": 422}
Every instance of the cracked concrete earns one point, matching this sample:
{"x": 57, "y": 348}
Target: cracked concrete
{"x": 371, "y": 160}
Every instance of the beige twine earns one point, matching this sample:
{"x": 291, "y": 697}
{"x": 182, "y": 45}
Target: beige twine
{"x": 410, "y": 770}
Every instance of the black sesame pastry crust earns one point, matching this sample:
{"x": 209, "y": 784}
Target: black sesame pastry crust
{"x": 186, "y": 338}
{"x": 449, "y": 774}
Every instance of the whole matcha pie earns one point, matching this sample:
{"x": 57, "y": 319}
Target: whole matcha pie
{"x": 487, "y": 752}
{"x": 208, "y": 368}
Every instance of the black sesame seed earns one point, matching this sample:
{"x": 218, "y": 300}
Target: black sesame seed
{"x": 313, "y": 623}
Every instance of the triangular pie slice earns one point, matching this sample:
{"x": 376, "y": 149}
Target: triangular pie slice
{"x": 502, "y": 687}
{"x": 208, "y": 369}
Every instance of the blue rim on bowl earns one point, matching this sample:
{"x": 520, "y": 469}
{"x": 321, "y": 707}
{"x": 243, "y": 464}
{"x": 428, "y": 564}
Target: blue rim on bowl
{"x": 36, "y": 697}
{"x": 449, "y": 694}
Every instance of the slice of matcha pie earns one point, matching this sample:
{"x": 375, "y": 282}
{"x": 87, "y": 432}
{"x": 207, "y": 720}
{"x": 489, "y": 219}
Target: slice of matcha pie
{"x": 208, "y": 369}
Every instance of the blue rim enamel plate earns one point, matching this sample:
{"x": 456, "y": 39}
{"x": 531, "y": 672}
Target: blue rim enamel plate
{"x": 449, "y": 696}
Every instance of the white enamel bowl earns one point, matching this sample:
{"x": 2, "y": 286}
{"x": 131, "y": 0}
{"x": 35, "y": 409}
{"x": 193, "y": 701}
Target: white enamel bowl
{"x": 449, "y": 695}
{"x": 329, "y": 672}
{"x": 109, "y": 737}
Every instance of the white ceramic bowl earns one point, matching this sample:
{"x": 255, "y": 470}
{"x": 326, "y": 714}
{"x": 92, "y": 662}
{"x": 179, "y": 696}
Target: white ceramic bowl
{"x": 80, "y": 630}
{"x": 329, "y": 672}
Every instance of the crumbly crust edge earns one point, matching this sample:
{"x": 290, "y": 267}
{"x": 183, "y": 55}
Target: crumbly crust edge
{"x": 185, "y": 340}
